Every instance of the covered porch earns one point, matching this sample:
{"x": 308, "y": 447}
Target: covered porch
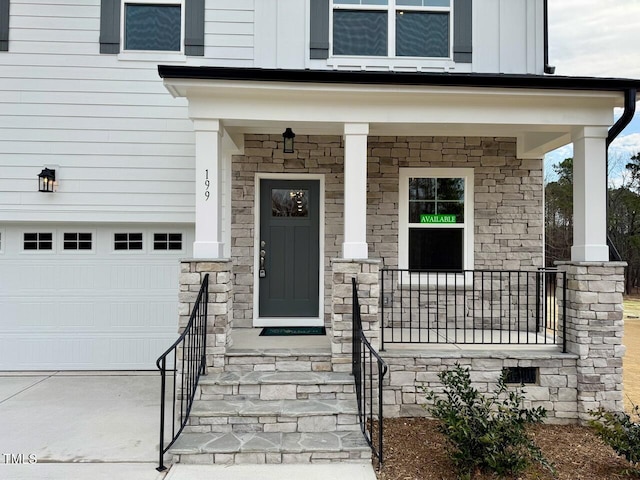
{"x": 361, "y": 140}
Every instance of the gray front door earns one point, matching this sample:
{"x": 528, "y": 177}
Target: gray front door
{"x": 289, "y": 256}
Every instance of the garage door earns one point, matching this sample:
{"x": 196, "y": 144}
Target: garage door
{"x": 82, "y": 297}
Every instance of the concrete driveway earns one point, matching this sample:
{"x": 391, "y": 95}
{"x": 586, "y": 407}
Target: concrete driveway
{"x": 52, "y": 421}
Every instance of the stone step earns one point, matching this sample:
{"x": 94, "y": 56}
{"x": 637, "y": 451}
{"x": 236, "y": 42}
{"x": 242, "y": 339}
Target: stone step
{"x": 258, "y": 378}
{"x": 244, "y": 416}
{"x": 267, "y": 447}
{"x": 276, "y": 386}
{"x": 281, "y": 359}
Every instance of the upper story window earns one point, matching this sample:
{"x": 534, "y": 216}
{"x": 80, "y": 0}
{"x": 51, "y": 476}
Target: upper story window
{"x": 392, "y": 28}
{"x": 149, "y": 28}
{"x": 152, "y": 26}
{"x": 4, "y": 25}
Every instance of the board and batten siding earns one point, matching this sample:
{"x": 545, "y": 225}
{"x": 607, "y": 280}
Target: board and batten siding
{"x": 122, "y": 146}
{"x": 508, "y": 36}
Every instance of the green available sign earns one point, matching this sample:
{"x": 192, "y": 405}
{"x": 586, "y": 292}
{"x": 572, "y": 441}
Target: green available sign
{"x": 424, "y": 218}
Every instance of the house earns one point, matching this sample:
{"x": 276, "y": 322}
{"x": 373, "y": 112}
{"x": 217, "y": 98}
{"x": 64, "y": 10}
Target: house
{"x": 418, "y": 129}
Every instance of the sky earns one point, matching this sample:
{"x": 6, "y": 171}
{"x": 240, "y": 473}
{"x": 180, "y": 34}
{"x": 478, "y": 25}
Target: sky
{"x": 597, "y": 38}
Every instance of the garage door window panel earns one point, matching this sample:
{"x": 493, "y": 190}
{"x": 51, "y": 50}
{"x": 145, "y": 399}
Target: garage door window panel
{"x": 167, "y": 242}
{"x": 77, "y": 241}
{"x": 123, "y": 242}
{"x": 36, "y": 241}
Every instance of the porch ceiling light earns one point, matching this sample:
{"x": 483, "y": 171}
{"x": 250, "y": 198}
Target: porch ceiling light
{"x": 288, "y": 137}
{"x": 46, "y": 180}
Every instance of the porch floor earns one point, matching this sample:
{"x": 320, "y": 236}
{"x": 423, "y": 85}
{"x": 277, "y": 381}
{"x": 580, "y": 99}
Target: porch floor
{"x": 249, "y": 339}
{"x": 469, "y": 339}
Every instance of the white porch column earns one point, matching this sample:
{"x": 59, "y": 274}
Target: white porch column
{"x": 209, "y": 242}
{"x": 589, "y": 195}
{"x": 355, "y": 191}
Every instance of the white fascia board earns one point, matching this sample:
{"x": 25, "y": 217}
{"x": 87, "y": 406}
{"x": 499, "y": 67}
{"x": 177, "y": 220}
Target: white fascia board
{"x": 315, "y": 103}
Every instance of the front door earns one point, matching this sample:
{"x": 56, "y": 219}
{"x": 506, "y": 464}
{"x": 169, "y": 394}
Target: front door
{"x": 289, "y": 253}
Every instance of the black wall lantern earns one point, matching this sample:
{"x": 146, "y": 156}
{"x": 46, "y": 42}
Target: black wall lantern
{"x": 46, "y": 180}
{"x": 288, "y": 137}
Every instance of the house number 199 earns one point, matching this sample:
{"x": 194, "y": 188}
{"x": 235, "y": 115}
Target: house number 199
{"x": 207, "y": 183}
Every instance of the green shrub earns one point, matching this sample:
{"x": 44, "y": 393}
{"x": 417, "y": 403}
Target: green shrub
{"x": 619, "y": 431}
{"x": 486, "y": 432}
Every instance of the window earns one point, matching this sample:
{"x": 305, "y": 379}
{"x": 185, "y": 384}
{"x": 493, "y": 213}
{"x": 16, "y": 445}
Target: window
{"x": 4, "y": 25}
{"x": 127, "y": 241}
{"x": 436, "y": 219}
{"x": 152, "y": 26}
{"x": 167, "y": 241}
{"x": 77, "y": 241}
{"x": 393, "y": 28}
{"x": 38, "y": 241}
{"x": 155, "y": 26}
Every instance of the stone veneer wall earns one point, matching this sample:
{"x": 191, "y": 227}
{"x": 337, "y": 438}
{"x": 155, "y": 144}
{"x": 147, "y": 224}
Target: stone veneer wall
{"x": 219, "y": 309}
{"x": 508, "y": 199}
{"x": 595, "y": 327}
{"x": 556, "y": 389}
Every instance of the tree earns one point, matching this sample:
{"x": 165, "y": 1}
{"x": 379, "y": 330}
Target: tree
{"x": 559, "y": 214}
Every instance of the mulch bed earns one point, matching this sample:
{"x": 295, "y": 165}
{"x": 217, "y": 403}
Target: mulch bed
{"x": 415, "y": 450}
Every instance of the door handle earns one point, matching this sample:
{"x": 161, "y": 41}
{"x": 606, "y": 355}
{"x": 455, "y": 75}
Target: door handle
{"x": 262, "y": 273}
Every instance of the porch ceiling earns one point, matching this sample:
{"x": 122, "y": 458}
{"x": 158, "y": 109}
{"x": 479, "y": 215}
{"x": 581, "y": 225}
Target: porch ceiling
{"x": 541, "y": 119}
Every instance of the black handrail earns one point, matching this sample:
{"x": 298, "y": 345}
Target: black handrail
{"x": 189, "y": 354}
{"x": 364, "y": 378}
{"x": 473, "y": 307}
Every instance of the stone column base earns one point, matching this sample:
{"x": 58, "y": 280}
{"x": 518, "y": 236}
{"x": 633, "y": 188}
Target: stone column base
{"x": 594, "y": 326}
{"x": 220, "y": 307}
{"x": 366, "y": 273}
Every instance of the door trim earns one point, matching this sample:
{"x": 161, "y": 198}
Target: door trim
{"x": 288, "y": 322}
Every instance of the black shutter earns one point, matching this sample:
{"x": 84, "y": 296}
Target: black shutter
{"x": 319, "y": 29}
{"x": 110, "y": 26}
{"x": 194, "y": 28}
{"x": 4, "y": 25}
{"x": 462, "y": 24}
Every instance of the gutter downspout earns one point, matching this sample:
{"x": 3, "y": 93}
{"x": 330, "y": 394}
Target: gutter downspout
{"x": 550, "y": 69}
{"x": 614, "y": 131}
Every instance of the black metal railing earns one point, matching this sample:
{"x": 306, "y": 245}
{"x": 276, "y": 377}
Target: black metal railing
{"x": 473, "y": 307}
{"x": 367, "y": 381}
{"x": 185, "y": 362}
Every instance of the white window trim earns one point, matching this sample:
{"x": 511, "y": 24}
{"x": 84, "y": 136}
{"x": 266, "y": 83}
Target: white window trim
{"x": 167, "y": 231}
{"x": 77, "y": 252}
{"x": 38, "y": 251}
{"x": 152, "y": 55}
{"x": 391, "y": 60}
{"x": 129, "y": 251}
{"x": 3, "y": 240}
{"x": 403, "y": 210}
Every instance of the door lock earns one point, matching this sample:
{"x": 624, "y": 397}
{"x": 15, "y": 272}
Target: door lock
{"x": 262, "y": 273}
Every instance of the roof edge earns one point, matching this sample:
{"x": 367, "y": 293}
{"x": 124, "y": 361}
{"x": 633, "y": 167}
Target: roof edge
{"x": 399, "y": 78}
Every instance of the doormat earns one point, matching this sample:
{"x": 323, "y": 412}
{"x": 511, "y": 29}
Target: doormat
{"x": 289, "y": 331}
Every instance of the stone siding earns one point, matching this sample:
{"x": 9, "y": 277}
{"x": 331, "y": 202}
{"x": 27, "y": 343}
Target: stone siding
{"x": 556, "y": 389}
{"x": 508, "y": 199}
{"x": 594, "y": 332}
{"x": 220, "y": 307}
